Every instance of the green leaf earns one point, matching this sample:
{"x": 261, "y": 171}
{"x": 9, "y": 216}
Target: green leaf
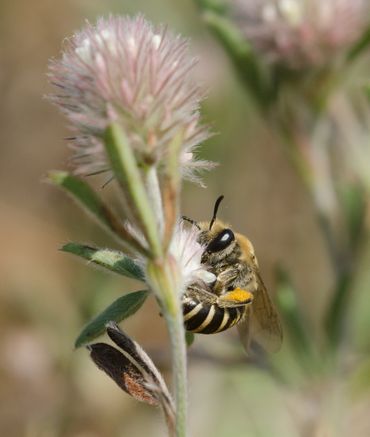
{"x": 361, "y": 45}
{"x": 228, "y": 34}
{"x": 88, "y": 199}
{"x": 219, "y": 6}
{"x": 82, "y": 193}
{"x": 110, "y": 259}
{"x": 353, "y": 199}
{"x": 251, "y": 72}
{"x": 335, "y": 317}
{"x": 189, "y": 338}
{"x": 348, "y": 311}
{"x": 354, "y": 203}
{"x": 122, "y": 308}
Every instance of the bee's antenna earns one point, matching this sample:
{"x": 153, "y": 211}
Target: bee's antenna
{"x": 215, "y": 209}
{"x": 193, "y": 222}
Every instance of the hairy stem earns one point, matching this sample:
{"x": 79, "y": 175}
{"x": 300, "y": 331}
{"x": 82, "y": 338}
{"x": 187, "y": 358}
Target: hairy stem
{"x": 178, "y": 351}
{"x": 163, "y": 278}
{"x": 171, "y": 188}
{"x": 128, "y": 175}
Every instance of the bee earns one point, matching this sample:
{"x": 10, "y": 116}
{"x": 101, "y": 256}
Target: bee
{"x": 237, "y": 296}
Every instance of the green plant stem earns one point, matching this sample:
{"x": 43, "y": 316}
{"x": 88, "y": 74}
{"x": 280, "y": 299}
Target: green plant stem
{"x": 342, "y": 260}
{"x": 162, "y": 277}
{"x": 178, "y": 351}
{"x": 249, "y": 69}
{"x": 126, "y": 170}
{"x": 304, "y": 171}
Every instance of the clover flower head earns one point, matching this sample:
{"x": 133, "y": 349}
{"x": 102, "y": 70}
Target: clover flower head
{"x": 301, "y": 33}
{"x": 128, "y": 71}
{"x": 187, "y": 251}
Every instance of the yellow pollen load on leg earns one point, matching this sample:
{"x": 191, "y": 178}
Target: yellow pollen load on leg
{"x": 237, "y": 296}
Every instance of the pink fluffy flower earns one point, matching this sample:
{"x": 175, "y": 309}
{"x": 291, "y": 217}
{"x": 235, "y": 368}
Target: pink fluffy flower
{"x": 300, "y": 33}
{"x": 126, "y": 70}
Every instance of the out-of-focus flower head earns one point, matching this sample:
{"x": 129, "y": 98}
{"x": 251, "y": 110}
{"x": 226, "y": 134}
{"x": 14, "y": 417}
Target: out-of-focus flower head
{"x": 301, "y": 33}
{"x": 126, "y": 70}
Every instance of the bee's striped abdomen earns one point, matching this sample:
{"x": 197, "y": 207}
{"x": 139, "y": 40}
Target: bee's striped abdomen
{"x": 205, "y": 318}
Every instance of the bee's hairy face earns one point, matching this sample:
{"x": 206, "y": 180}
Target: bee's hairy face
{"x": 219, "y": 242}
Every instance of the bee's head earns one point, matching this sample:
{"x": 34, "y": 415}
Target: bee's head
{"x": 218, "y": 242}
{"x": 217, "y": 238}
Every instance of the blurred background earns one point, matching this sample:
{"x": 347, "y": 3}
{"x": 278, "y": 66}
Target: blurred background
{"x": 314, "y": 386}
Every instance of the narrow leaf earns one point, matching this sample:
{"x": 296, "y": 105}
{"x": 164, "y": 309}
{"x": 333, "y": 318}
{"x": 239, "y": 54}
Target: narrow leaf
{"x": 189, "y": 338}
{"x": 335, "y": 318}
{"x": 219, "y": 6}
{"x": 89, "y": 200}
{"x": 122, "y": 308}
{"x": 110, "y": 259}
{"x": 81, "y": 192}
{"x": 354, "y": 203}
{"x": 361, "y": 45}
{"x": 245, "y": 61}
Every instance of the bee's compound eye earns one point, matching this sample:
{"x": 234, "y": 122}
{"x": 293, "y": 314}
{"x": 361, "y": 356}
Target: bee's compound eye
{"x": 221, "y": 241}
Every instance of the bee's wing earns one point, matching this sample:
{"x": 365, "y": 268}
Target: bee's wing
{"x": 262, "y": 323}
{"x": 244, "y": 329}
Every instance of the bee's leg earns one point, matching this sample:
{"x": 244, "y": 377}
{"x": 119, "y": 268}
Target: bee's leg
{"x": 234, "y": 298}
{"x": 227, "y": 279}
{"x": 201, "y": 294}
